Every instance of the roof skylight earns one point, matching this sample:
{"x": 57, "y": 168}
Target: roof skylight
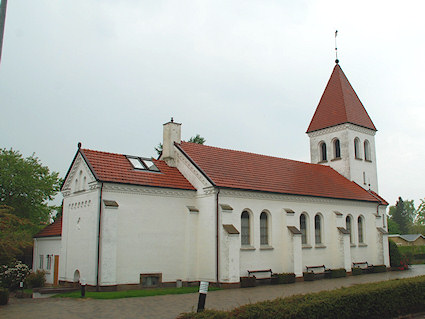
{"x": 143, "y": 163}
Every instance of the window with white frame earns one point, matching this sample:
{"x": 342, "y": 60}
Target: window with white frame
{"x": 317, "y": 229}
{"x": 41, "y": 262}
{"x": 303, "y": 228}
{"x": 49, "y": 262}
{"x": 360, "y": 229}
{"x": 245, "y": 229}
{"x": 337, "y": 148}
{"x": 367, "y": 150}
{"x": 264, "y": 229}
{"x": 357, "y": 148}
{"x": 349, "y": 227}
{"x": 323, "y": 152}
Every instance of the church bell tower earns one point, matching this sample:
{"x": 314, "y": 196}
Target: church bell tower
{"x": 342, "y": 135}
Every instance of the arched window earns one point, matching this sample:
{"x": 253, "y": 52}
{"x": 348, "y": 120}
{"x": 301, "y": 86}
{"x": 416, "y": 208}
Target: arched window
{"x": 317, "y": 229}
{"x": 245, "y": 229}
{"x": 349, "y": 228}
{"x": 337, "y": 148}
{"x": 360, "y": 229}
{"x": 367, "y": 150}
{"x": 264, "y": 229}
{"x": 356, "y": 147}
{"x": 323, "y": 155}
{"x": 303, "y": 228}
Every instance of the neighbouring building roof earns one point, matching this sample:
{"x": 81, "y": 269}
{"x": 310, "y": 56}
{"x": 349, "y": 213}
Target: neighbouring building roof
{"x": 409, "y": 237}
{"x": 116, "y": 168}
{"x": 247, "y": 171}
{"x": 52, "y": 230}
{"x": 339, "y": 104}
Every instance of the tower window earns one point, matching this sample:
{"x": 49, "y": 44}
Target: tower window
{"x": 357, "y": 148}
{"x": 323, "y": 156}
{"x": 337, "y": 148}
{"x": 367, "y": 150}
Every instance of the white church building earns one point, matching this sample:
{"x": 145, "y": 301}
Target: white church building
{"x": 206, "y": 213}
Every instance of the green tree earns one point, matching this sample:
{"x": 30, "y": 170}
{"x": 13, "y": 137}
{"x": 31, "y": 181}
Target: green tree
{"x": 393, "y": 227}
{"x": 15, "y": 234}
{"x": 27, "y": 186}
{"x": 403, "y": 214}
{"x": 198, "y": 139}
{"x": 420, "y": 213}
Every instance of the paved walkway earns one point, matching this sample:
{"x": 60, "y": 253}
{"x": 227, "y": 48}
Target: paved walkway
{"x": 164, "y": 307}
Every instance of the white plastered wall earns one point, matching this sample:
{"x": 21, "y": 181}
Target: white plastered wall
{"x": 348, "y": 165}
{"x": 79, "y": 224}
{"x": 280, "y": 256}
{"x": 46, "y": 246}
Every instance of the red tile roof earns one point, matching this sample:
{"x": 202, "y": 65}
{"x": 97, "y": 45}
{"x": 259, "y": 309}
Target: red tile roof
{"x": 380, "y": 199}
{"x": 241, "y": 170}
{"x": 52, "y": 230}
{"x": 116, "y": 168}
{"x": 339, "y": 104}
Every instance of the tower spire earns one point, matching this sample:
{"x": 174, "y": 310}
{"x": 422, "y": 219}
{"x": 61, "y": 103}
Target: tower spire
{"x": 336, "y": 48}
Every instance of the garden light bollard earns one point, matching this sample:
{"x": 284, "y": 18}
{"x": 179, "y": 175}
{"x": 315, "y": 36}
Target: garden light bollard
{"x": 21, "y": 288}
{"x": 203, "y": 289}
{"x": 83, "y": 288}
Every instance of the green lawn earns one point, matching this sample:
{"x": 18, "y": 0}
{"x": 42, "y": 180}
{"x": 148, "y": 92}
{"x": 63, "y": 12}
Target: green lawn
{"x": 132, "y": 293}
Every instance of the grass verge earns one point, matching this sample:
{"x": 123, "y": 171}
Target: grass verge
{"x": 132, "y": 293}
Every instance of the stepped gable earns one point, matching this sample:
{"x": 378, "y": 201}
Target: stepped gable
{"x": 339, "y": 104}
{"x": 247, "y": 171}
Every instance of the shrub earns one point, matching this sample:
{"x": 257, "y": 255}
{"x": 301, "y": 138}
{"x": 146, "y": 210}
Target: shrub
{"x": 375, "y": 300}
{"x": 338, "y": 273}
{"x": 356, "y": 271}
{"x": 248, "y": 282}
{"x": 308, "y": 276}
{"x": 379, "y": 268}
{"x": 285, "y": 278}
{"x": 4, "y": 296}
{"x": 395, "y": 256}
{"x": 12, "y": 275}
{"x": 36, "y": 279}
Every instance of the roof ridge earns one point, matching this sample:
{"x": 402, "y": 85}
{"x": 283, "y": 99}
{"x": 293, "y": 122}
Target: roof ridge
{"x": 121, "y": 154}
{"x": 258, "y": 154}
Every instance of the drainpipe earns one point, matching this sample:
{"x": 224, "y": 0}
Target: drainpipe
{"x": 217, "y": 265}
{"x": 98, "y": 237}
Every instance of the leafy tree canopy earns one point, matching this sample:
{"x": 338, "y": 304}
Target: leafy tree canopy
{"x": 27, "y": 185}
{"x": 420, "y": 213}
{"x": 15, "y": 234}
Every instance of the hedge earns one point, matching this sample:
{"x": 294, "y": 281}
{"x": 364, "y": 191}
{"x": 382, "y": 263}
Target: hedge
{"x": 387, "y": 299}
{"x": 285, "y": 278}
{"x": 338, "y": 273}
{"x": 4, "y": 296}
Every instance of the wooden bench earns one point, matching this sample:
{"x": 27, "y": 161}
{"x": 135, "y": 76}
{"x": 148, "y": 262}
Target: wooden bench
{"x": 322, "y": 271}
{"x": 363, "y": 265}
{"x": 250, "y": 272}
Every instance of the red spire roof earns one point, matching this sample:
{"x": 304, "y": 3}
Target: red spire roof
{"x": 52, "y": 230}
{"x": 248, "y": 171}
{"x": 339, "y": 104}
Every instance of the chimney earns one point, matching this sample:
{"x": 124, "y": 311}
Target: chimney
{"x": 171, "y": 134}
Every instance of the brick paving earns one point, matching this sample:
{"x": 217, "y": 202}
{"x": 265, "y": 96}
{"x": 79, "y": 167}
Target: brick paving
{"x": 170, "y": 306}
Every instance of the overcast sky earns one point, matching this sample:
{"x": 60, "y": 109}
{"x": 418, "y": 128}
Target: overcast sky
{"x": 245, "y": 75}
